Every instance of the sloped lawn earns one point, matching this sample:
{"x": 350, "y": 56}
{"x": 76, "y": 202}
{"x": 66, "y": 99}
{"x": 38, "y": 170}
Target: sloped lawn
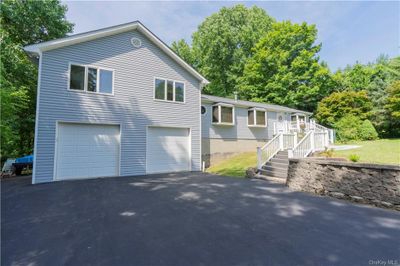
{"x": 236, "y": 165}
{"x": 385, "y": 151}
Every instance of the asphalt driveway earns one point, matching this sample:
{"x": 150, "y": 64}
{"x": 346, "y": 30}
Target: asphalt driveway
{"x": 188, "y": 219}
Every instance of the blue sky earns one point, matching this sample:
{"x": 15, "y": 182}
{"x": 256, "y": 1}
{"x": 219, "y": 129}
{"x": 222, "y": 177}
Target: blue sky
{"x": 348, "y": 31}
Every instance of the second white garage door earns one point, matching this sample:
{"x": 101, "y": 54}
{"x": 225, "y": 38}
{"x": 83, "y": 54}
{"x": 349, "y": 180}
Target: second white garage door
{"x": 87, "y": 150}
{"x": 168, "y": 150}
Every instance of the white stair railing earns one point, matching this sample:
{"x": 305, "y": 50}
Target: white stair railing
{"x": 278, "y": 143}
{"x": 266, "y": 152}
{"x": 304, "y": 147}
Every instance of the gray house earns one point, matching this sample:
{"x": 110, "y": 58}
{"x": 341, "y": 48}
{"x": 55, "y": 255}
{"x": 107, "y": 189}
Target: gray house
{"x": 114, "y": 102}
{"x": 119, "y": 102}
{"x": 231, "y": 126}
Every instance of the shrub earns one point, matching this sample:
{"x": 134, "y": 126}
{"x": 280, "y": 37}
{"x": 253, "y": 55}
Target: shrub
{"x": 351, "y": 127}
{"x": 367, "y": 131}
{"x": 327, "y": 153}
{"x": 339, "y": 104}
{"x": 348, "y": 128}
{"x": 354, "y": 157}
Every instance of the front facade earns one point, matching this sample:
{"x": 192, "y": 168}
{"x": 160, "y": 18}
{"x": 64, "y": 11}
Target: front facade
{"x": 115, "y": 102}
{"x": 232, "y": 126}
{"x": 119, "y": 102}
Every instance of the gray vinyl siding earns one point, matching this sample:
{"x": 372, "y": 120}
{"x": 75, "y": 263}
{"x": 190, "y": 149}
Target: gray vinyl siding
{"x": 240, "y": 130}
{"x": 132, "y": 105}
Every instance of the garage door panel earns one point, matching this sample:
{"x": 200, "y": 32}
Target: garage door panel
{"x": 87, "y": 150}
{"x": 168, "y": 150}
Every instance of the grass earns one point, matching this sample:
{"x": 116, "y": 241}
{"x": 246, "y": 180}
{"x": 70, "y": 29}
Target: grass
{"x": 235, "y": 166}
{"x": 384, "y": 151}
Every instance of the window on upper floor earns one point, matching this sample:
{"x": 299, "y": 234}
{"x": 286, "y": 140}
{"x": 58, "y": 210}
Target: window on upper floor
{"x": 223, "y": 114}
{"x": 169, "y": 90}
{"x": 256, "y": 117}
{"x": 91, "y": 79}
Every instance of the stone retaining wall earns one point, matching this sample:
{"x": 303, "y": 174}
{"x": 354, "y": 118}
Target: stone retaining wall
{"x": 366, "y": 183}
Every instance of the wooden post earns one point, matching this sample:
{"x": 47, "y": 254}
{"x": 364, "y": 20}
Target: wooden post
{"x": 295, "y": 139}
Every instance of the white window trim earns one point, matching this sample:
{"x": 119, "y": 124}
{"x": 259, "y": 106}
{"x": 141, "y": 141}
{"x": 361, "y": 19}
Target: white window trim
{"x": 86, "y": 79}
{"x": 219, "y": 123}
{"x": 165, "y": 90}
{"x": 255, "y": 109}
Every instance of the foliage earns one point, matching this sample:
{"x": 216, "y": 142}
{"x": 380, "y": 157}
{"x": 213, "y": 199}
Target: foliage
{"x": 339, "y": 104}
{"x": 347, "y": 128}
{"x": 184, "y": 51}
{"x": 222, "y": 44}
{"x": 354, "y": 157}
{"x": 285, "y": 68}
{"x": 327, "y": 153}
{"x": 351, "y": 127}
{"x": 374, "y": 78}
{"x": 393, "y": 100}
{"x": 23, "y": 22}
{"x": 367, "y": 131}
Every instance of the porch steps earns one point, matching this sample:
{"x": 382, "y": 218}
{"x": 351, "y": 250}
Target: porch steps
{"x": 277, "y": 167}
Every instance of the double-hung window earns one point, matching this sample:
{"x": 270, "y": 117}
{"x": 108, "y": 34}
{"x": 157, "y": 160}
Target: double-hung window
{"x": 256, "y": 117}
{"x": 91, "y": 79}
{"x": 169, "y": 90}
{"x": 223, "y": 114}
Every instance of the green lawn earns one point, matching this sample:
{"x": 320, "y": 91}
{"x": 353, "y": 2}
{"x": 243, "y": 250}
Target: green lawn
{"x": 385, "y": 151}
{"x": 236, "y": 165}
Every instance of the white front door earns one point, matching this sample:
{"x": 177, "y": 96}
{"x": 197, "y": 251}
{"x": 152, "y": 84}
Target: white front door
{"x": 87, "y": 150}
{"x": 280, "y": 123}
{"x": 168, "y": 150}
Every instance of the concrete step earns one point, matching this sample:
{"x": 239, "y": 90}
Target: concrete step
{"x": 284, "y": 166}
{"x": 279, "y": 160}
{"x": 273, "y": 173}
{"x": 281, "y": 156}
{"x": 275, "y": 170}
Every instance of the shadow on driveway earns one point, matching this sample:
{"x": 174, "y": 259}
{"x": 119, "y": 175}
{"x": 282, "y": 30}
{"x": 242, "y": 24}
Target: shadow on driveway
{"x": 188, "y": 219}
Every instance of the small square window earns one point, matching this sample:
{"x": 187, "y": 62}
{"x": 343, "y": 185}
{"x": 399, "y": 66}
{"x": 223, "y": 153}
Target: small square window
{"x": 223, "y": 115}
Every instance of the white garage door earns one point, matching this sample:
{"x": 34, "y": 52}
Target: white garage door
{"x": 168, "y": 150}
{"x": 87, "y": 150}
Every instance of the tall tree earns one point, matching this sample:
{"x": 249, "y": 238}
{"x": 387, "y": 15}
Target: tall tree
{"x": 23, "y": 22}
{"x": 285, "y": 68}
{"x": 223, "y": 43}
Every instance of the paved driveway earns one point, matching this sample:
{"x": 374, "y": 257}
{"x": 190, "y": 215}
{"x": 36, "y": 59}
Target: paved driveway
{"x": 188, "y": 219}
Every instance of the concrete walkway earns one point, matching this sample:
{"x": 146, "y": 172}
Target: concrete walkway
{"x": 188, "y": 219}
